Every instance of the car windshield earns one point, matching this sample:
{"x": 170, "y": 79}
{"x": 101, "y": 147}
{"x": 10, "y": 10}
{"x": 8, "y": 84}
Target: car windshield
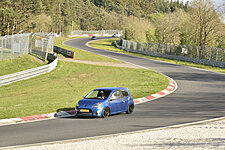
{"x": 98, "y": 94}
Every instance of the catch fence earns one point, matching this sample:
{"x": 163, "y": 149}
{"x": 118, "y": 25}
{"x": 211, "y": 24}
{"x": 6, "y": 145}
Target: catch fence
{"x": 43, "y": 42}
{"x": 196, "y": 54}
{"x": 14, "y": 45}
{"x": 40, "y": 44}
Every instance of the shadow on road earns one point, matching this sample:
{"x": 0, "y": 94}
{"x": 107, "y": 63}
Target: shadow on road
{"x": 65, "y": 109}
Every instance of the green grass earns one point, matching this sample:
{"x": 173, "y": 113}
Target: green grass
{"x": 21, "y": 63}
{"x": 108, "y": 45}
{"x": 65, "y": 85}
{"x": 81, "y": 55}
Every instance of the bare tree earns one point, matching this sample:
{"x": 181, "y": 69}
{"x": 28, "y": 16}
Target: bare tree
{"x": 206, "y": 21}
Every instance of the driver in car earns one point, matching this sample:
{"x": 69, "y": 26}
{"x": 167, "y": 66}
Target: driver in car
{"x": 102, "y": 95}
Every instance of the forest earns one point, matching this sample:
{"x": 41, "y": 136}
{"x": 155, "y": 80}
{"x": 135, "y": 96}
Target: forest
{"x": 155, "y": 21}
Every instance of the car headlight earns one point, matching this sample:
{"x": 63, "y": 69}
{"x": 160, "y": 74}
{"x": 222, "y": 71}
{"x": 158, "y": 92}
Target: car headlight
{"x": 97, "y": 105}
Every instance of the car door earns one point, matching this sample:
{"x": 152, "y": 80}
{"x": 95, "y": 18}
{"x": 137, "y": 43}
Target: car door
{"x": 124, "y": 99}
{"x": 116, "y": 102}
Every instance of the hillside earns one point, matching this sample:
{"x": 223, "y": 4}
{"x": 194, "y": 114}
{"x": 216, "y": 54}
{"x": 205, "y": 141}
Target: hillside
{"x": 155, "y": 21}
{"x": 57, "y": 15}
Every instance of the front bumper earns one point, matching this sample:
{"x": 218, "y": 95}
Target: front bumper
{"x": 95, "y": 112}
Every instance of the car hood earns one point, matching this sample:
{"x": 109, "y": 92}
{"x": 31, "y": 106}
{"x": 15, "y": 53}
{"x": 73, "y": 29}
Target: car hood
{"x": 88, "y": 102}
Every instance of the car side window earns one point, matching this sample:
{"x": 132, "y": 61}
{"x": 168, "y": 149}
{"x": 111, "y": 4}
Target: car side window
{"x": 116, "y": 95}
{"x": 124, "y": 93}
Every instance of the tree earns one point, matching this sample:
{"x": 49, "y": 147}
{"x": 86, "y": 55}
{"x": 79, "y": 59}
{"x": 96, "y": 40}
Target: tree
{"x": 205, "y": 22}
{"x": 169, "y": 26}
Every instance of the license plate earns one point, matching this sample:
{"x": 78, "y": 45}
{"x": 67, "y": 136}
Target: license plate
{"x": 84, "y": 110}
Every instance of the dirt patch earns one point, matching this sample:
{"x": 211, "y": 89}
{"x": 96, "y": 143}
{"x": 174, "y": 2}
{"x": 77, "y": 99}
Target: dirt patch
{"x": 114, "y": 64}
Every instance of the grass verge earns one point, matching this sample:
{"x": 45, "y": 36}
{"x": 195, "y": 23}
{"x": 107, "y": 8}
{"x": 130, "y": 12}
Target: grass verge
{"x": 64, "y": 86}
{"x": 61, "y": 88}
{"x": 21, "y": 63}
{"x": 107, "y": 44}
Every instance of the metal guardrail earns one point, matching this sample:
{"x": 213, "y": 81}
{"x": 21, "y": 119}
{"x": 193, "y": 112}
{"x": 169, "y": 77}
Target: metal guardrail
{"x": 27, "y": 74}
{"x": 63, "y": 51}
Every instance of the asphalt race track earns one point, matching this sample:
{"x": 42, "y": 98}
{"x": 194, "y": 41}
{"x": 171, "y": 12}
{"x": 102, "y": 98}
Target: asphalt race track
{"x": 200, "y": 96}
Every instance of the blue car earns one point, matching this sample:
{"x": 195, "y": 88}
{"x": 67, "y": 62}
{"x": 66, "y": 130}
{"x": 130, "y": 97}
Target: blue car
{"x": 93, "y": 38}
{"x": 102, "y": 102}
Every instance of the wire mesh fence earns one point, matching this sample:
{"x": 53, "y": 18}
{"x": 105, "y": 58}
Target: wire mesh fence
{"x": 196, "y": 54}
{"x": 43, "y": 42}
{"x": 40, "y": 44}
{"x": 14, "y": 45}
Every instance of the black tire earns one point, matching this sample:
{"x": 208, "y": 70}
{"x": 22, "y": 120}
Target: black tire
{"x": 105, "y": 112}
{"x": 130, "y": 109}
{"x": 78, "y": 116}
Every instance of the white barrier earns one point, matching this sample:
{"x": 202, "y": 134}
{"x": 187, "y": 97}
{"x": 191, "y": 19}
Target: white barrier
{"x": 27, "y": 74}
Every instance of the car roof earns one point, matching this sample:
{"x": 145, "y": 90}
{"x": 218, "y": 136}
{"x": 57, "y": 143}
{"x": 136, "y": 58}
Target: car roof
{"x": 111, "y": 88}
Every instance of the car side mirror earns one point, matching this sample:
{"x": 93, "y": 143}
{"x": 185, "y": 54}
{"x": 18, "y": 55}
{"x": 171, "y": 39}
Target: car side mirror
{"x": 84, "y": 96}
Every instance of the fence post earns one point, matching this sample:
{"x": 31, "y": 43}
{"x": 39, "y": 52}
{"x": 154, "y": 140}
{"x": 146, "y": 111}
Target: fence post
{"x": 42, "y": 45}
{"x": 2, "y": 47}
{"x": 197, "y": 52}
{"x": 31, "y": 45}
{"x": 191, "y": 51}
{"x": 22, "y": 43}
{"x": 27, "y": 44}
{"x": 217, "y": 54}
{"x": 158, "y": 48}
{"x": 223, "y": 55}
{"x": 175, "y": 50}
{"x": 210, "y": 54}
{"x": 203, "y": 53}
{"x": 46, "y": 54}
{"x": 11, "y": 46}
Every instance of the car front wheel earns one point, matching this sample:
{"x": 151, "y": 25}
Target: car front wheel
{"x": 105, "y": 112}
{"x": 130, "y": 109}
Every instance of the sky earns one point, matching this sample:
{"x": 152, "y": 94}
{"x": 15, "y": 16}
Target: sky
{"x": 217, "y": 3}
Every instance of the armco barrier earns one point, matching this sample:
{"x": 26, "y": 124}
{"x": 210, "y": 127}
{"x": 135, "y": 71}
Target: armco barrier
{"x": 26, "y": 74}
{"x": 50, "y": 57}
{"x": 64, "y": 52}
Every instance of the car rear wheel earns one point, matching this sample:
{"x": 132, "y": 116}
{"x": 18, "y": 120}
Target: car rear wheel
{"x": 130, "y": 109}
{"x": 105, "y": 112}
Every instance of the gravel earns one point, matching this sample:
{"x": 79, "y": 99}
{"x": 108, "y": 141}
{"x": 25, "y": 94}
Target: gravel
{"x": 195, "y": 137}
